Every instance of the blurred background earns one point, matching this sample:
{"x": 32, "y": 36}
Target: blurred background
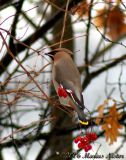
{"x": 33, "y": 124}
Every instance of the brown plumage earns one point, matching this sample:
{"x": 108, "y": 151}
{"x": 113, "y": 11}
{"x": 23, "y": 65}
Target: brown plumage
{"x": 66, "y": 75}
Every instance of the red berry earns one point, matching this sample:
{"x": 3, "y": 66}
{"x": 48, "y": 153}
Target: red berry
{"x": 85, "y": 140}
{"x": 87, "y": 147}
{"x": 77, "y": 139}
{"x": 81, "y": 145}
{"x": 94, "y": 136}
{"x": 91, "y": 136}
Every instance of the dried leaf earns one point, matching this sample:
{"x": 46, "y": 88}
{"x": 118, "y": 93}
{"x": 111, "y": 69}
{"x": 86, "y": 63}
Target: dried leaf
{"x": 101, "y": 111}
{"x": 114, "y": 21}
{"x": 111, "y": 125}
{"x": 81, "y": 9}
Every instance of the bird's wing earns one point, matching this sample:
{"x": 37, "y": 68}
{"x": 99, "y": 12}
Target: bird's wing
{"x": 72, "y": 92}
{"x": 70, "y": 85}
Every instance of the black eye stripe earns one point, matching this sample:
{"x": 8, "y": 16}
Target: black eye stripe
{"x": 51, "y": 55}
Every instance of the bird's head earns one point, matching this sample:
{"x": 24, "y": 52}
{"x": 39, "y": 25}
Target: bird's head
{"x": 59, "y": 52}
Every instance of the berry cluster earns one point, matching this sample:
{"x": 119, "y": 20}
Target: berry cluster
{"x": 62, "y": 92}
{"x": 84, "y": 142}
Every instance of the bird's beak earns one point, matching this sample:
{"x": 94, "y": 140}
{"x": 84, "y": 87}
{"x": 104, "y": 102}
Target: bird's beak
{"x": 50, "y": 54}
{"x": 47, "y": 54}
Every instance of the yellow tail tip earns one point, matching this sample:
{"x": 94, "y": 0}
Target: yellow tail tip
{"x": 83, "y": 123}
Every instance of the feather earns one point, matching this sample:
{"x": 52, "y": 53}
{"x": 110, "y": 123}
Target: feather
{"x": 70, "y": 84}
{"x": 66, "y": 75}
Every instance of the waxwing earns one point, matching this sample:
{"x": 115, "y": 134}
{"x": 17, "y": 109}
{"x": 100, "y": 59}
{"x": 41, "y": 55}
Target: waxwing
{"x": 67, "y": 83}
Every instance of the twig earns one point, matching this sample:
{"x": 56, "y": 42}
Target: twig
{"x": 87, "y": 37}
{"x": 25, "y": 127}
{"x": 64, "y": 23}
{"x": 101, "y": 70}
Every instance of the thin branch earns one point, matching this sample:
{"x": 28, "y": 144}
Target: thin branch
{"x": 101, "y": 70}
{"x": 6, "y": 60}
{"x": 58, "y": 132}
{"x": 87, "y": 37}
{"x": 64, "y": 22}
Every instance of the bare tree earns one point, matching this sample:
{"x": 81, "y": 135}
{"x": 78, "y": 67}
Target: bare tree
{"x": 31, "y": 116}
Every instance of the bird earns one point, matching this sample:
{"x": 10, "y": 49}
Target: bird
{"x": 67, "y": 81}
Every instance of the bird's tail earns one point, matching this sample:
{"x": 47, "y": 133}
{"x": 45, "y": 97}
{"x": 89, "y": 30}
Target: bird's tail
{"x": 79, "y": 107}
{"x": 81, "y": 115}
